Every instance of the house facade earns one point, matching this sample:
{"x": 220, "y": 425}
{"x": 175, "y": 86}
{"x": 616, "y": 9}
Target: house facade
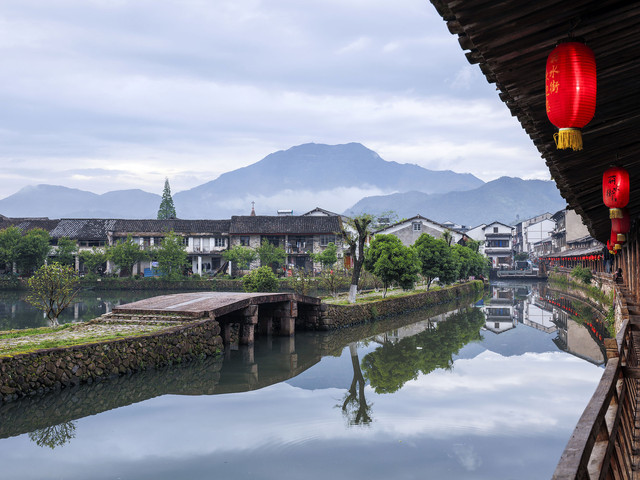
{"x": 496, "y": 243}
{"x": 409, "y": 230}
{"x": 300, "y": 236}
{"x": 205, "y": 241}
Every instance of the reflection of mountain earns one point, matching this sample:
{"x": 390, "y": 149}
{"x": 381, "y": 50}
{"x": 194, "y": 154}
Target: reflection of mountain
{"x": 390, "y": 366}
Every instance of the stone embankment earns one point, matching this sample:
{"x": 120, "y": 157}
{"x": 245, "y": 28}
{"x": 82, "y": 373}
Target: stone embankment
{"x": 55, "y": 368}
{"x": 340, "y": 316}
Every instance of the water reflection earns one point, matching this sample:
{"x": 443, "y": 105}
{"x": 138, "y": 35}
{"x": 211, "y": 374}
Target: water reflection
{"x": 439, "y": 393}
{"x": 16, "y": 313}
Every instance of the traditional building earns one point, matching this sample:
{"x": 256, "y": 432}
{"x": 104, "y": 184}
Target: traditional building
{"x": 409, "y": 230}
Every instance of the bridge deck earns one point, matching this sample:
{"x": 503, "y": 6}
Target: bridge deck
{"x": 200, "y": 304}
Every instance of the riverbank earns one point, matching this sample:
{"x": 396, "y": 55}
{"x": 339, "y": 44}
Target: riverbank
{"x": 47, "y": 359}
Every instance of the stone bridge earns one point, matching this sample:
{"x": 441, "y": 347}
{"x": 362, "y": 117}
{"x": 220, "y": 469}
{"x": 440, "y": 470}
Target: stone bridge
{"x": 251, "y": 313}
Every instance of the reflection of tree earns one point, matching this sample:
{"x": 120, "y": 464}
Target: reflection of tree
{"x": 54, "y": 436}
{"x": 355, "y": 407}
{"x": 390, "y": 366}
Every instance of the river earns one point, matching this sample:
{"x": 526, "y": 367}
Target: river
{"x": 489, "y": 390}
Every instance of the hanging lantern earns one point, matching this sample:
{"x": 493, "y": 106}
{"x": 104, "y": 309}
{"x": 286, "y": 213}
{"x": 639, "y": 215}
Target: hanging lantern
{"x": 615, "y": 190}
{"x": 570, "y": 90}
{"x": 621, "y": 225}
{"x": 613, "y": 239}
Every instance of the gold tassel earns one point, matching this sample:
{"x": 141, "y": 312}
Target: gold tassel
{"x": 568, "y": 138}
{"x": 615, "y": 213}
{"x": 617, "y": 246}
{"x": 622, "y": 237}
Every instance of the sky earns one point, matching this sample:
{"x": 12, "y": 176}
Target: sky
{"x": 106, "y": 95}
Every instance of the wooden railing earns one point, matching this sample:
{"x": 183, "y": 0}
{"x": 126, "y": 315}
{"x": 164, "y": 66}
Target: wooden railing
{"x": 604, "y": 443}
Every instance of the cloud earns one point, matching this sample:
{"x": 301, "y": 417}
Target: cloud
{"x": 190, "y": 90}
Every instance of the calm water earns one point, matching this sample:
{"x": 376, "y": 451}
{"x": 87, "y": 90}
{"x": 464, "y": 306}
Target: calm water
{"x": 480, "y": 392}
{"x": 16, "y": 313}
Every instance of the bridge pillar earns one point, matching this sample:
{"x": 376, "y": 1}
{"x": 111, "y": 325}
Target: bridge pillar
{"x": 289, "y": 313}
{"x": 226, "y": 333}
{"x": 247, "y": 327}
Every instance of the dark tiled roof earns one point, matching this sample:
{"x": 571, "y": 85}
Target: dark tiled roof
{"x": 284, "y": 225}
{"x": 26, "y": 224}
{"x": 83, "y": 229}
{"x": 165, "y": 226}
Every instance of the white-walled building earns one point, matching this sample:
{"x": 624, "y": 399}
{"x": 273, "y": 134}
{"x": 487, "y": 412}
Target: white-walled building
{"x": 409, "y": 230}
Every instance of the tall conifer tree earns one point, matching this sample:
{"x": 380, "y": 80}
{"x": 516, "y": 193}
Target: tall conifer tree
{"x": 167, "y": 210}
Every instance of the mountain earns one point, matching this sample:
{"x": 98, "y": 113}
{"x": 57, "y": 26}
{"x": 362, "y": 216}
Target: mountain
{"x": 506, "y": 199}
{"x": 300, "y": 178}
{"x": 311, "y": 175}
{"x": 61, "y": 202}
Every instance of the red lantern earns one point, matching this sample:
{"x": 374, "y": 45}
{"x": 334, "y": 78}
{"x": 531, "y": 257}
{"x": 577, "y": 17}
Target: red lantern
{"x": 615, "y": 244}
{"x": 621, "y": 225}
{"x": 615, "y": 190}
{"x": 570, "y": 90}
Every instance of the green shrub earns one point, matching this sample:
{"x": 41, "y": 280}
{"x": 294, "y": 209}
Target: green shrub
{"x": 582, "y": 274}
{"x": 260, "y": 280}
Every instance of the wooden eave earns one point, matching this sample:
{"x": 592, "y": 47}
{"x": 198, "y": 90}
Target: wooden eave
{"x": 510, "y": 41}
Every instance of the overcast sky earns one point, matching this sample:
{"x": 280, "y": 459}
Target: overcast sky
{"x": 113, "y": 94}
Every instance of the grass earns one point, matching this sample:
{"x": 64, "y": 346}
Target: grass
{"x": 68, "y": 335}
{"x": 69, "y": 342}
{"x": 33, "y": 331}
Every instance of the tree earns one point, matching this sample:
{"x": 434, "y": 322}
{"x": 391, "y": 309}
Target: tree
{"x": 436, "y": 259}
{"x": 447, "y": 236}
{"x": 171, "y": 256}
{"x": 10, "y": 238}
{"x": 355, "y": 234}
{"x": 125, "y": 255}
{"x": 167, "y": 210}
{"x": 54, "y": 436}
{"x": 93, "y": 259}
{"x": 52, "y": 288}
{"x": 240, "y": 256}
{"x": 66, "y": 251}
{"x": 333, "y": 280}
{"x": 33, "y": 250}
{"x": 271, "y": 255}
{"x": 388, "y": 258}
{"x": 328, "y": 257}
{"x": 355, "y": 407}
{"x": 260, "y": 280}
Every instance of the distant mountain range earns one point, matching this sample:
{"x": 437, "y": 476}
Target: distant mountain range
{"x": 507, "y": 200}
{"x": 302, "y": 178}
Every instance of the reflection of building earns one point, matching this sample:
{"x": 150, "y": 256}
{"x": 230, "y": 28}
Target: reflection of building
{"x": 499, "y": 310}
{"x": 576, "y": 339}
{"x": 537, "y": 315}
{"x": 394, "y": 336}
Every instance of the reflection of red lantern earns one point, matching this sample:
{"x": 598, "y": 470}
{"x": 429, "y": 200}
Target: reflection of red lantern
{"x": 570, "y": 91}
{"x": 621, "y": 225}
{"x": 615, "y": 190}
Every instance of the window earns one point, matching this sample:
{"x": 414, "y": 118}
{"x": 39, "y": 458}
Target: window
{"x": 206, "y": 242}
{"x": 417, "y": 226}
{"x": 495, "y": 229}
{"x": 245, "y": 241}
{"x": 196, "y": 244}
{"x": 219, "y": 242}
{"x": 327, "y": 239}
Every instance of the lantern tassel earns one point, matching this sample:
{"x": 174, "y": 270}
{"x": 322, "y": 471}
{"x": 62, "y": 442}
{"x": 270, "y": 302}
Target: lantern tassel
{"x": 568, "y": 138}
{"x": 615, "y": 213}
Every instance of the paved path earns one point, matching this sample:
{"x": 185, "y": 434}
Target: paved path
{"x": 201, "y": 304}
